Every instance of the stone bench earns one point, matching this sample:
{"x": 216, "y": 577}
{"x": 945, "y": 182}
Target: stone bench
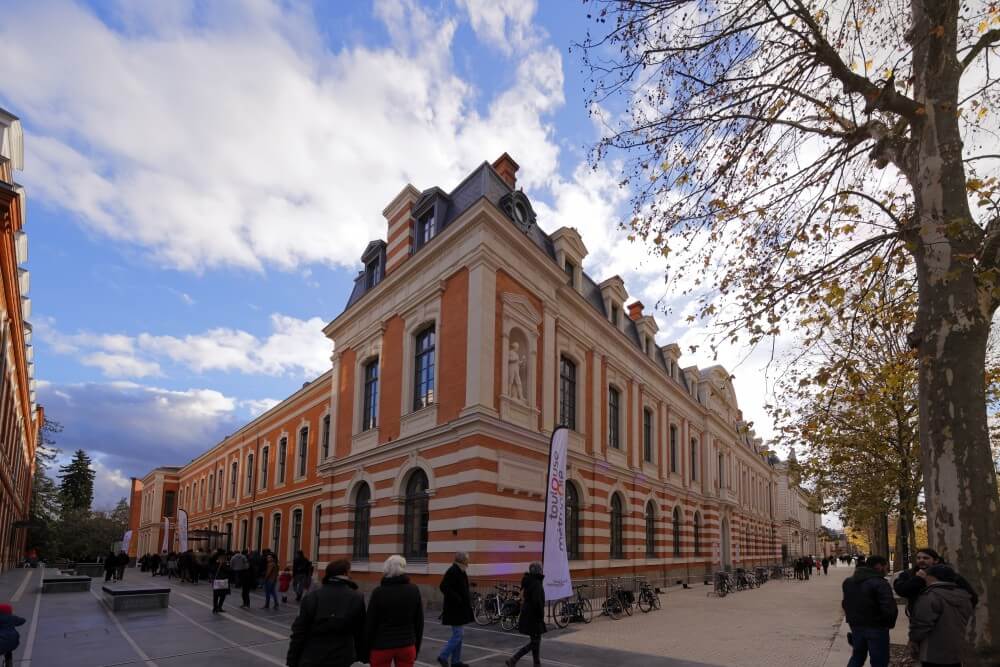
{"x": 65, "y": 584}
{"x": 89, "y": 569}
{"x": 123, "y": 596}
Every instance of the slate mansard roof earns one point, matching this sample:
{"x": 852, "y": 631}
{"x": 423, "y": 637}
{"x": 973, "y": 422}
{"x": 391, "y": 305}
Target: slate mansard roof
{"x": 485, "y": 183}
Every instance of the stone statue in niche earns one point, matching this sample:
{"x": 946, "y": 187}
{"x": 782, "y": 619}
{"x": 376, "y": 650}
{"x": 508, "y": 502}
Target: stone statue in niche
{"x": 515, "y": 362}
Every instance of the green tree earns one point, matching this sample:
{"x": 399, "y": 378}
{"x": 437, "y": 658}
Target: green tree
{"x": 792, "y": 146}
{"x": 45, "y": 506}
{"x": 76, "y": 487}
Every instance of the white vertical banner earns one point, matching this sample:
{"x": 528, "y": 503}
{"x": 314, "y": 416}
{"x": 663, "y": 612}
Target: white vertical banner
{"x": 166, "y": 532}
{"x": 182, "y": 530}
{"x": 126, "y": 540}
{"x": 555, "y": 557}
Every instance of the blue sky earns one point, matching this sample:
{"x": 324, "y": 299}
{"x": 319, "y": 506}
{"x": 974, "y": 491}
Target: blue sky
{"x": 202, "y": 178}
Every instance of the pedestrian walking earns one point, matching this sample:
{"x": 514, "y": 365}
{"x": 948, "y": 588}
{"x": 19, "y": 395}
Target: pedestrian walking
{"x": 330, "y": 628}
{"x": 110, "y": 566}
{"x": 240, "y": 566}
{"x": 909, "y": 584}
{"x": 154, "y": 564}
{"x": 394, "y": 626}
{"x": 220, "y": 584}
{"x": 871, "y": 612}
{"x": 270, "y": 582}
{"x": 532, "y": 619}
{"x": 284, "y": 583}
{"x": 9, "y": 637}
{"x": 302, "y": 571}
{"x": 456, "y": 609}
{"x": 826, "y": 565}
{"x": 940, "y": 614}
{"x": 121, "y": 562}
{"x": 171, "y": 565}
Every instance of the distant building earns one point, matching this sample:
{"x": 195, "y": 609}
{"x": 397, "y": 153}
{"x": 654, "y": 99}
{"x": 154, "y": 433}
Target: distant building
{"x": 21, "y": 417}
{"x": 798, "y": 523}
{"x": 469, "y": 336}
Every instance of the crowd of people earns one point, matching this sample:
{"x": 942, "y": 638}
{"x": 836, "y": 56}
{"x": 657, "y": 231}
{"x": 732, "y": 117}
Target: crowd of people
{"x": 804, "y": 566}
{"x": 335, "y": 628}
{"x": 114, "y": 566}
{"x": 939, "y": 604}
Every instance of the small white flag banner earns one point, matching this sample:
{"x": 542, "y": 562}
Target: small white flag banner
{"x": 126, "y": 540}
{"x": 182, "y": 530}
{"x": 166, "y": 532}
{"x": 555, "y": 558}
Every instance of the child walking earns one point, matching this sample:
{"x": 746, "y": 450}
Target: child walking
{"x": 284, "y": 581}
{"x": 9, "y": 637}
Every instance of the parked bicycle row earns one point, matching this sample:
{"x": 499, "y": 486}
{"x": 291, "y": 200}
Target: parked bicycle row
{"x": 725, "y": 583}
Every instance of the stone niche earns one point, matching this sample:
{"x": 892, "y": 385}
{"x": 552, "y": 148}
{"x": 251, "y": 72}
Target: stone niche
{"x": 519, "y": 357}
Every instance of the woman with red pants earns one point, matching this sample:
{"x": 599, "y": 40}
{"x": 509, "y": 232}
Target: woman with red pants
{"x": 394, "y": 624}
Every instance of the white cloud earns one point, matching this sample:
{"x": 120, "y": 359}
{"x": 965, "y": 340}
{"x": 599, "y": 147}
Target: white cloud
{"x": 259, "y": 406}
{"x": 274, "y": 150}
{"x": 294, "y": 347}
{"x": 504, "y": 24}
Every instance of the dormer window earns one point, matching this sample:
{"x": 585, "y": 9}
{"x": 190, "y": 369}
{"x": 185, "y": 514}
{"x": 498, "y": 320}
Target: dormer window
{"x": 615, "y": 314}
{"x": 426, "y": 228}
{"x": 570, "y": 271}
{"x": 373, "y": 273}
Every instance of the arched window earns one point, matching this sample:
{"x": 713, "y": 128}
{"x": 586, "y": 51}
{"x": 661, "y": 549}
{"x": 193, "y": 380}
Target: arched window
{"x": 415, "y": 515}
{"x": 572, "y": 522}
{"x": 616, "y": 527}
{"x": 362, "y": 522}
{"x": 677, "y": 531}
{"x": 650, "y": 529}
{"x": 697, "y": 533}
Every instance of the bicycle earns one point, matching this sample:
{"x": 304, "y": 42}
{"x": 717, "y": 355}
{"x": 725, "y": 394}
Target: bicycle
{"x": 724, "y": 584}
{"x": 572, "y": 609}
{"x": 612, "y": 605}
{"x": 510, "y": 613}
{"x": 627, "y": 597}
{"x": 490, "y": 607}
{"x": 649, "y": 598}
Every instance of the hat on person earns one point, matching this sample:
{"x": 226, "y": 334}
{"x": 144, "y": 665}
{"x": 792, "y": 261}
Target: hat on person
{"x": 6, "y": 609}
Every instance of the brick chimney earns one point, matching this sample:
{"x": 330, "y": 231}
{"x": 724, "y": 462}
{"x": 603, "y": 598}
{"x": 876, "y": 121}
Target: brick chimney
{"x": 507, "y": 168}
{"x": 399, "y": 236}
{"x": 635, "y": 310}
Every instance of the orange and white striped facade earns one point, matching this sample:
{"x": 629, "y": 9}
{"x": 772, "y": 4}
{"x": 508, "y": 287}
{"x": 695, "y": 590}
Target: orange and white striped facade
{"x": 522, "y": 340}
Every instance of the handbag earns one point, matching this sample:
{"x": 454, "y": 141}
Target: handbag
{"x": 219, "y": 584}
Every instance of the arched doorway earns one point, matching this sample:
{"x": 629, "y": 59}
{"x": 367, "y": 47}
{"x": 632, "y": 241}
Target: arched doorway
{"x": 727, "y": 561}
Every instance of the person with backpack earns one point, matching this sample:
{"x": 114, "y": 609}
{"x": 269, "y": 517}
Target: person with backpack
{"x": 302, "y": 571}
{"x": 531, "y": 622}
{"x": 456, "y": 610}
{"x": 9, "y": 637}
{"x": 330, "y": 628}
{"x": 940, "y": 614}
{"x": 870, "y": 609}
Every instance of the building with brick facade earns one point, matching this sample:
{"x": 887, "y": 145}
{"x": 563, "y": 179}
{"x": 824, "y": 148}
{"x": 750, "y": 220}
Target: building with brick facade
{"x": 21, "y": 417}
{"x": 470, "y": 334}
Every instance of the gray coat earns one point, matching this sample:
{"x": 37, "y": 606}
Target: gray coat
{"x": 938, "y": 622}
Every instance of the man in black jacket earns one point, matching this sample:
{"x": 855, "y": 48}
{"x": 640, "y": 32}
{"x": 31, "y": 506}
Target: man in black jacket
{"x": 908, "y": 585}
{"x": 457, "y": 608}
{"x": 871, "y": 612}
{"x": 330, "y": 628}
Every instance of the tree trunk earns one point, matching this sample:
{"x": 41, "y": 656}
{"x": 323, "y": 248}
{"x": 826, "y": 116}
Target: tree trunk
{"x": 953, "y": 324}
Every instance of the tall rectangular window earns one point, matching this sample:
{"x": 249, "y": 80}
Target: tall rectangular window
{"x": 249, "y": 488}
{"x": 244, "y": 538}
{"x": 218, "y": 482}
{"x": 296, "y": 531}
{"x": 614, "y": 314}
{"x": 326, "y": 436}
{"x": 426, "y": 228}
{"x": 567, "y": 393}
{"x": 259, "y": 535}
{"x": 372, "y": 273}
{"x": 169, "y": 503}
{"x": 234, "y": 472}
{"x": 369, "y": 415}
{"x": 569, "y": 269}
{"x": 647, "y": 436}
{"x": 282, "y": 453}
{"x": 317, "y": 525}
{"x": 721, "y": 476}
{"x": 614, "y": 402}
{"x": 211, "y": 490}
{"x": 673, "y": 448}
{"x": 276, "y": 533}
{"x": 303, "y": 450}
{"x": 694, "y": 458}
{"x": 265, "y": 455}
{"x": 423, "y": 369}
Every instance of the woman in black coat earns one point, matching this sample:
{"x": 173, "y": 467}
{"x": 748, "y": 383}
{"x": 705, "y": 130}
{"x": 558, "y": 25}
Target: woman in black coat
{"x": 532, "y": 619}
{"x": 220, "y": 576}
{"x": 329, "y": 630}
{"x": 394, "y": 626}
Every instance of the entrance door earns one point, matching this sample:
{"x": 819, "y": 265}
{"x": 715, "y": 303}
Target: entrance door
{"x": 727, "y": 561}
